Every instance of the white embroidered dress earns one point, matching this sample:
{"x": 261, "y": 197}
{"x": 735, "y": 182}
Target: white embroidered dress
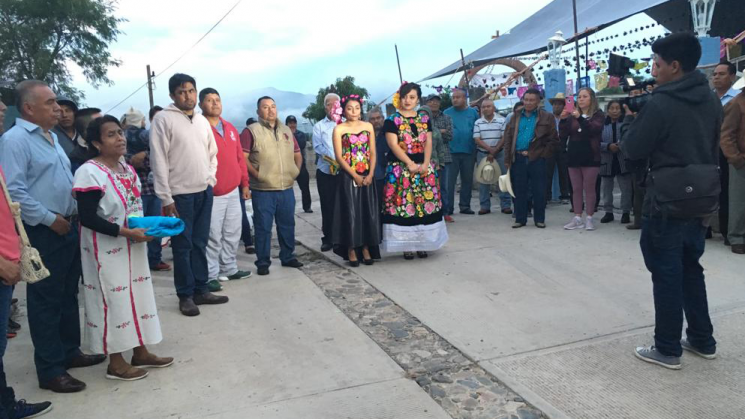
{"x": 120, "y": 310}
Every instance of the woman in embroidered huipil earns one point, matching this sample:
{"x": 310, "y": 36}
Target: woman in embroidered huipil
{"x": 412, "y": 209}
{"x": 120, "y": 311}
{"x": 356, "y": 225}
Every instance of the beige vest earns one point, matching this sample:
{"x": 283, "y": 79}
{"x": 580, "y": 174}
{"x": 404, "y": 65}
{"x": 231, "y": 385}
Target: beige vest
{"x": 273, "y": 156}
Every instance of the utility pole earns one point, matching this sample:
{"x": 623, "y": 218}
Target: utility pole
{"x": 576, "y": 40}
{"x": 150, "y": 77}
{"x": 465, "y": 72}
{"x": 398, "y": 61}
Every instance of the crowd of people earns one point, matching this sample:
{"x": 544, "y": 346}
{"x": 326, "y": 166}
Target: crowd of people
{"x": 384, "y": 183}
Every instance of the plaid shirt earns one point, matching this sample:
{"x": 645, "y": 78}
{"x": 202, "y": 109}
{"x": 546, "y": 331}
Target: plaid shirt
{"x": 442, "y": 121}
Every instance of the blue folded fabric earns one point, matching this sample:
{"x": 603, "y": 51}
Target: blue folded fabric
{"x": 158, "y": 226}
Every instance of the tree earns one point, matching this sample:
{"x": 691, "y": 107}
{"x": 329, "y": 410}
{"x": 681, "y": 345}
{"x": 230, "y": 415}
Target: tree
{"x": 343, "y": 87}
{"x": 39, "y": 38}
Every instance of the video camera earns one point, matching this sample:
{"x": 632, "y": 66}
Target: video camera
{"x": 620, "y": 66}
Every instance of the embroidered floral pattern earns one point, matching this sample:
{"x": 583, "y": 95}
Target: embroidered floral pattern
{"x": 148, "y": 316}
{"x": 123, "y": 325}
{"x": 141, "y": 279}
{"x": 356, "y": 151}
{"x": 409, "y": 143}
{"x": 89, "y": 287}
{"x": 114, "y": 250}
{"x": 91, "y": 324}
{"x": 119, "y": 289}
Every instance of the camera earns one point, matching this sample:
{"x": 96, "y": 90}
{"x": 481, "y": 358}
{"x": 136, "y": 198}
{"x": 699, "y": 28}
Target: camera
{"x": 620, "y": 66}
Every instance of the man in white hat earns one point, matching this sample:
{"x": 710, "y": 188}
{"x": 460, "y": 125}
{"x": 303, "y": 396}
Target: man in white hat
{"x": 487, "y": 131}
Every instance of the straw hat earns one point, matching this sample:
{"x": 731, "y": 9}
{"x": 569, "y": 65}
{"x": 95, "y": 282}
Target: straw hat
{"x": 488, "y": 172}
{"x": 557, "y": 98}
{"x": 740, "y": 84}
{"x": 505, "y": 184}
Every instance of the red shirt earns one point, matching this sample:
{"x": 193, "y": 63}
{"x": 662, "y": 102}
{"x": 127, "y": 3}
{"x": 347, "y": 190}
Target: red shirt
{"x": 231, "y": 165}
{"x": 10, "y": 243}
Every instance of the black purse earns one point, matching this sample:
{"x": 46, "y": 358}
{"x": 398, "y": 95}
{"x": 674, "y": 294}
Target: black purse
{"x": 686, "y": 192}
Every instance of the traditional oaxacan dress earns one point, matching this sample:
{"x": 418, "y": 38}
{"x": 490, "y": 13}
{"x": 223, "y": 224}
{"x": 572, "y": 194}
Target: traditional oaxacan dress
{"x": 120, "y": 310}
{"x": 412, "y": 207}
{"x": 356, "y": 210}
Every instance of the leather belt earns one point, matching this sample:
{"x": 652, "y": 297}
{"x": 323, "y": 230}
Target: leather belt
{"x": 523, "y": 153}
{"x": 72, "y": 219}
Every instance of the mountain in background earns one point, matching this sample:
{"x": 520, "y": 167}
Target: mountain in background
{"x": 288, "y": 103}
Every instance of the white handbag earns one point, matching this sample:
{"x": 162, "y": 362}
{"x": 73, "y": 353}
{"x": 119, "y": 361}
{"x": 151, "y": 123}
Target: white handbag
{"x": 32, "y": 267}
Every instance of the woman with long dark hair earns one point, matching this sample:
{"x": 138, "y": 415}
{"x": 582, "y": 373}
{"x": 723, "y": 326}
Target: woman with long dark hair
{"x": 584, "y": 127}
{"x": 356, "y": 225}
{"x": 120, "y": 310}
{"x": 412, "y": 210}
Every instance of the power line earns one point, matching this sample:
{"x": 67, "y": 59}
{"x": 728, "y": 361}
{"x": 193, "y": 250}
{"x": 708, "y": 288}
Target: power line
{"x": 180, "y": 57}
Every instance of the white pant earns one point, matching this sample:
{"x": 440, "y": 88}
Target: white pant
{"x": 225, "y": 233}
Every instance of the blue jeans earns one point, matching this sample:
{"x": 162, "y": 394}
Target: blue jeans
{"x": 53, "y": 317}
{"x": 444, "y": 180}
{"x": 672, "y": 249}
{"x": 268, "y": 206}
{"x": 462, "y": 164}
{"x": 189, "y": 248}
{"x": 246, "y": 226}
{"x": 151, "y": 207}
{"x": 505, "y": 199}
{"x": 529, "y": 183}
{"x": 7, "y": 398}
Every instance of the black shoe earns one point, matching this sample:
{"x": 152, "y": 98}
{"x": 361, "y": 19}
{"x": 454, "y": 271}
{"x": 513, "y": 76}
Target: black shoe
{"x": 354, "y": 263}
{"x": 250, "y": 250}
{"x": 409, "y": 255}
{"x": 422, "y": 255}
{"x": 368, "y": 262}
{"x": 625, "y": 218}
{"x": 467, "y": 211}
{"x": 726, "y": 243}
{"x": 263, "y": 270}
{"x": 187, "y": 307}
{"x": 709, "y": 233}
{"x": 293, "y": 264}
{"x": 607, "y": 218}
{"x": 308, "y": 211}
{"x": 13, "y": 326}
{"x": 24, "y": 410}
{"x": 65, "y": 383}
{"x": 326, "y": 247}
{"x": 84, "y": 360}
{"x": 209, "y": 298}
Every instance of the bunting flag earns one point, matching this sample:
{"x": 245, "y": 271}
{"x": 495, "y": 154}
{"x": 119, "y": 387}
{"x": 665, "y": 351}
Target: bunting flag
{"x": 584, "y": 82}
{"x": 640, "y": 65}
{"x": 512, "y": 90}
{"x": 521, "y": 91}
{"x": 601, "y": 81}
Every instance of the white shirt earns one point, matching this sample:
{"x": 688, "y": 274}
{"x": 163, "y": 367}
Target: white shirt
{"x": 490, "y": 132}
{"x": 731, "y": 93}
{"x": 323, "y": 143}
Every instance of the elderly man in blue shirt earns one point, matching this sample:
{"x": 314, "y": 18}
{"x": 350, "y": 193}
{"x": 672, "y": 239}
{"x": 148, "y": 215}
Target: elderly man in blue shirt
{"x": 463, "y": 152}
{"x": 39, "y": 178}
{"x": 326, "y": 181}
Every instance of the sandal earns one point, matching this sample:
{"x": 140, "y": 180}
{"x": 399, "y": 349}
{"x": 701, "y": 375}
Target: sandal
{"x": 130, "y": 374}
{"x": 153, "y": 362}
{"x": 408, "y": 255}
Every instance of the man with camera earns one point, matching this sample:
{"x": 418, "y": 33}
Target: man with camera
{"x": 678, "y": 131}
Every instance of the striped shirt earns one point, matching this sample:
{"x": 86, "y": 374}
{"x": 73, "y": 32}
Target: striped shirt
{"x": 490, "y": 132}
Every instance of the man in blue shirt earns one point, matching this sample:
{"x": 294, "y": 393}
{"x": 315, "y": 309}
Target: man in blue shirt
{"x": 39, "y": 178}
{"x": 326, "y": 181}
{"x": 463, "y": 151}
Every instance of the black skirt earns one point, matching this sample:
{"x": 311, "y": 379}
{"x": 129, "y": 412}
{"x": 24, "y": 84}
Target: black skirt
{"x": 356, "y": 219}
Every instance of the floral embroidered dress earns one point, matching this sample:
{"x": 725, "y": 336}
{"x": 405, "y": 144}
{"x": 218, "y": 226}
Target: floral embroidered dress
{"x": 412, "y": 205}
{"x": 356, "y": 216}
{"x": 120, "y": 310}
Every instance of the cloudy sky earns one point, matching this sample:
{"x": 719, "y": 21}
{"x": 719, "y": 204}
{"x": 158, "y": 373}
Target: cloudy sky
{"x": 294, "y": 45}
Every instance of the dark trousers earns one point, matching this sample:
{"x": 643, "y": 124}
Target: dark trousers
{"x": 151, "y": 207}
{"x": 529, "y": 176}
{"x": 639, "y": 192}
{"x": 462, "y": 164}
{"x": 559, "y": 160}
{"x": 7, "y": 397}
{"x": 672, "y": 249}
{"x": 327, "y": 187}
{"x": 380, "y": 184}
{"x": 245, "y": 226}
{"x": 303, "y": 182}
{"x": 189, "y": 248}
{"x": 268, "y": 207}
{"x": 53, "y": 317}
{"x": 724, "y": 195}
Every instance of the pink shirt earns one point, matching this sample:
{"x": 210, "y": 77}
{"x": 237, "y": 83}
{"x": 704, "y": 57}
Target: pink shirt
{"x": 9, "y": 241}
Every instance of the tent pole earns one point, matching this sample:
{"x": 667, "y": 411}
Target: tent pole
{"x": 465, "y": 71}
{"x": 398, "y": 61}
{"x": 576, "y": 40}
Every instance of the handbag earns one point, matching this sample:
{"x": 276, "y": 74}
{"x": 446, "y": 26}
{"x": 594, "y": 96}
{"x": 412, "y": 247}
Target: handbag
{"x": 32, "y": 267}
{"x": 686, "y": 192}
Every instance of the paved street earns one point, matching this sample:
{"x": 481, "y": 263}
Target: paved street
{"x": 498, "y": 324}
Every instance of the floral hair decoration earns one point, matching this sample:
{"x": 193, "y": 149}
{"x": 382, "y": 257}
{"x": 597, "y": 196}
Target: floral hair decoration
{"x": 397, "y": 96}
{"x": 338, "y": 109}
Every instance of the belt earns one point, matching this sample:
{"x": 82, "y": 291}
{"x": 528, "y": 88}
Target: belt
{"x": 523, "y": 153}
{"x": 72, "y": 219}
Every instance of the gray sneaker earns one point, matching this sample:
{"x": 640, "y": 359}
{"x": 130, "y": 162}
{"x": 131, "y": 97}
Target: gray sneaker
{"x": 653, "y": 356}
{"x": 589, "y": 223}
{"x": 703, "y": 354}
{"x": 575, "y": 224}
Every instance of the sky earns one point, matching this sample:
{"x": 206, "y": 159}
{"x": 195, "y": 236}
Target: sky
{"x": 292, "y": 45}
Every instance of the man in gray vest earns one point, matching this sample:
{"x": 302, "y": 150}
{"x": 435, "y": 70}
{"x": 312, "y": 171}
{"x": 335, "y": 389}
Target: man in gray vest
{"x": 274, "y": 162}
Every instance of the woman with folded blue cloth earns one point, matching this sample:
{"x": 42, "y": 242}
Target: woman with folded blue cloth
{"x": 120, "y": 310}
